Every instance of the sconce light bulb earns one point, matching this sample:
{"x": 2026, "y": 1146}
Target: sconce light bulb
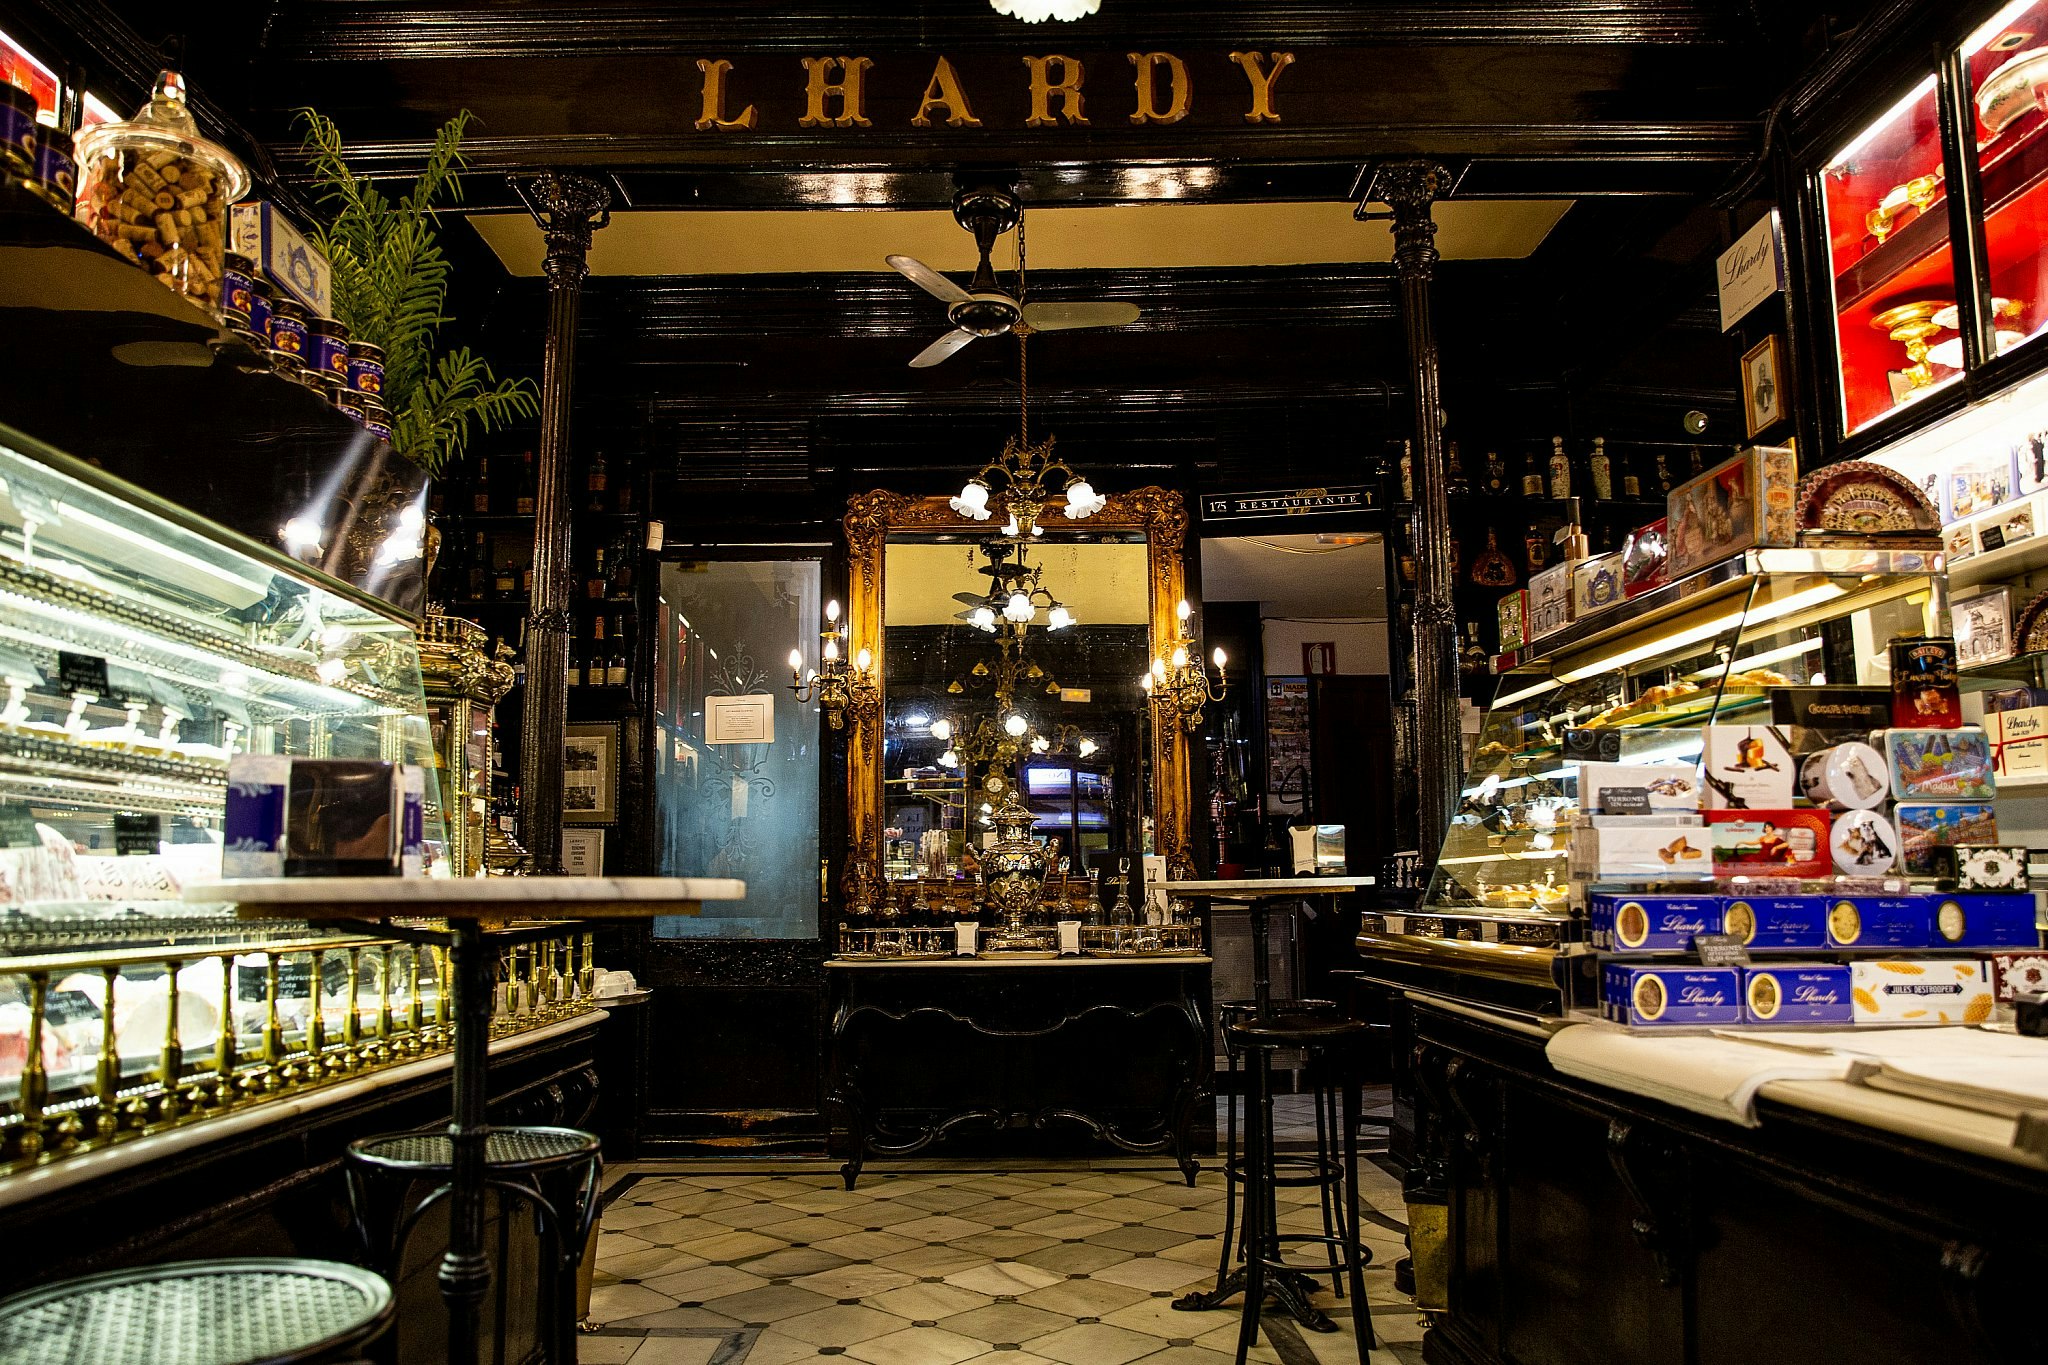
{"x": 949, "y": 759}
{"x": 1083, "y": 500}
{"x": 1218, "y": 656}
{"x": 1183, "y": 610}
{"x": 984, "y": 618}
{"x": 942, "y": 729}
{"x": 1059, "y": 618}
{"x": 1039, "y": 744}
{"x": 1010, "y": 527}
{"x": 1159, "y": 668}
{"x": 831, "y": 650}
{"x": 1016, "y": 725}
{"x": 1087, "y": 747}
{"x": 796, "y": 661}
{"x": 1145, "y": 681}
{"x": 866, "y": 660}
{"x": 1018, "y": 609}
{"x": 973, "y": 501}
{"x": 832, "y": 610}
{"x": 1180, "y": 656}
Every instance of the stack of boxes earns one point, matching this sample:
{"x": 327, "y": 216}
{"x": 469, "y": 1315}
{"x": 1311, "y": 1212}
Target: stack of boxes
{"x": 1821, "y": 863}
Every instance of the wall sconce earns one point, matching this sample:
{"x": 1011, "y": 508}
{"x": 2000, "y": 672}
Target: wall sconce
{"x": 1178, "y": 685}
{"x": 838, "y": 688}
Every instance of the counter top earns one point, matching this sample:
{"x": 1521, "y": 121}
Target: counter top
{"x": 1267, "y": 886}
{"x": 957, "y": 963}
{"x": 465, "y": 897}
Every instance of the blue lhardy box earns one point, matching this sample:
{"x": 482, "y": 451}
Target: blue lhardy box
{"x": 1983, "y": 920}
{"x": 412, "y": 783}
{"x": 283, "y": 255}
{"x": 1808, "y": 993}
{"x": 1668, "y": 997}
{"x": 1776, "y": 923}
{"x": 1878, "y": 921}
{"x": 1646, "y": 923}
{"x": 253, "y": 845}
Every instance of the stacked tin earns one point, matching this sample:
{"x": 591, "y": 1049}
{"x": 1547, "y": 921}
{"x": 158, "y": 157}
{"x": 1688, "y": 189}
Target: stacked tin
{"x": 312, "y": 351}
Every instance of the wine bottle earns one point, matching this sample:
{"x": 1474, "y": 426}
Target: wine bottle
{"x": 1456, "y": 484}
{"x": 1603, "y": 471}
{"x": 1532, "y": 477}
{"x": 479, "y": 567}
{"x": 1560, "y": 470}
{"x": 480, "y": 492}
{"x": 594, "y": 586}
{"x": 621, "y": 589}
{"x": 1536, "y": 548}
{"x": 615, "y": 671}
{"x": 1631, "y": 480}
{"x": 529, "y": 487}
{"x": 575, "y": 669}
{"x": 504, "y": 581}
{"x": 1407, "y": 471}
{"x": 1496, "y": 473}
{"x": 1664, "y": 480}
{"x": 594, "y": 483}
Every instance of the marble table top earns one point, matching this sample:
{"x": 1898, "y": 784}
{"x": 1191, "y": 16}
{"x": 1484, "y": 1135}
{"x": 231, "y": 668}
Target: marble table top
{"x": 467, "y": 897}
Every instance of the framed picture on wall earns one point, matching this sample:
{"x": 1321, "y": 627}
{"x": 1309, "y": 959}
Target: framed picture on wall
{"x": 590, "y": 773}
{"x": 1763, "y": 385}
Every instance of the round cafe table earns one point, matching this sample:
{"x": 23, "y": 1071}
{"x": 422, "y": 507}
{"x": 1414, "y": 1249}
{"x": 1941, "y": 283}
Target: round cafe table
{"x": 367, "y": 904}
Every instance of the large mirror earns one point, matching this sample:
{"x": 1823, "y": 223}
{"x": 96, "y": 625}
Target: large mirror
{"x": 975, "y": 700}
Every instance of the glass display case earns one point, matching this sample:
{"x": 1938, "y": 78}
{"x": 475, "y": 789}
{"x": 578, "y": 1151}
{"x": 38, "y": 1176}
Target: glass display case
{"x": 2006, "y": 64}
{"x": 1650, "y": 673}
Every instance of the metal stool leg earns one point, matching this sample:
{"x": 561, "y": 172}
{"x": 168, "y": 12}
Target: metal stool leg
{"x": 1258, "y": 1139}
{"x": 1231, "y": 1185}
{"x": 1354, "y": 1249}
{"x": 1326, "y": 1158}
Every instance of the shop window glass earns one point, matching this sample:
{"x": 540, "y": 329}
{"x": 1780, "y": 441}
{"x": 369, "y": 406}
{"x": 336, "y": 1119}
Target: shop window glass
{"x": 1890, "y": 261}
{"x": 727, "y": 806}
{"x": 2007, "y": 62}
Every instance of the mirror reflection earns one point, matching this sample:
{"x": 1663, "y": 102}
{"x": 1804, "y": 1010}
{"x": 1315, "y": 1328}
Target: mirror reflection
{"x": 1015, "y": 666}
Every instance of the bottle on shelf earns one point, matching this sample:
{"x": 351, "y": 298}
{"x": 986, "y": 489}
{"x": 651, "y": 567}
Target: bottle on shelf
{"x": 594, "y": 586}
{"x": 526, "y": 580}
{"x": 1455, "y": 482}
{"x": 1496, "y": 473}
{"x": 1665, "y": 483}
{"x": 594, "y": 666}
{"x": 480, "y": 491}
{"x": 504, "y": 581}
{"x": 1492, "y": 569}
{"x": 576, "y": 672}
{"x": 594, "y": 485}
{"x": 1560, "y": 470}
{"x": 1473, "y": 660}
{"x": 1602, "y": 470}
{"x": 1407, "y": 471}
{"x": 529, "y": 487}
{"x": 1535, "y": 548}
{"x": 615, "y": 668}
{"x": 1631, "y": 479}
{"x": 1573, "y": 536}
{"x": 1532, "y": 477}
{"x": 479, "y": 567}
{"x": 1696, "y": 462}
{"x": 621, "y": 586}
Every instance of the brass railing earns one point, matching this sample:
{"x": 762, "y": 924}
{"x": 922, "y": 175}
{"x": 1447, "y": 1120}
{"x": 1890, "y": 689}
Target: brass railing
{"x": 85, "y": 1063}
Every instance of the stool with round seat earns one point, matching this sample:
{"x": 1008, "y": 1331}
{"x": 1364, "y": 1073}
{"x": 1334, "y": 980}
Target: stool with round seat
{"x": 551, "y": 1172}
{"x": 1334, "y": 1044}
{"x": 1319, "y": 1170}
{"x": 249, "y": 1311}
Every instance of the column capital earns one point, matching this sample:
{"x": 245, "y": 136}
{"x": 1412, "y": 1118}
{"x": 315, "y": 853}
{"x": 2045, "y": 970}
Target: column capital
{"x": 1408, "y": 188}
{"x": 569, "y": 209}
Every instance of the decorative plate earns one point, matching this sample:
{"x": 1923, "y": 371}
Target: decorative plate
{"x": 1862, "y": 498}
{"x": 2011, "y": 90}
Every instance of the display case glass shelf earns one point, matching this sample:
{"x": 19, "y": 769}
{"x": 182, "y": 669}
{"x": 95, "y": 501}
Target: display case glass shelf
{"x": 1704, "y": 651}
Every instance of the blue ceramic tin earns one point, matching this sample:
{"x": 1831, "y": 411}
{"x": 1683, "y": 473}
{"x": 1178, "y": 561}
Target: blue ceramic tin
{"x": 327, "y": 348}
{"x": 366, "y": 368}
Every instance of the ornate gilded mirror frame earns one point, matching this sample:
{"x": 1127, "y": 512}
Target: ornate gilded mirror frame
{"x": 872, "y": 517}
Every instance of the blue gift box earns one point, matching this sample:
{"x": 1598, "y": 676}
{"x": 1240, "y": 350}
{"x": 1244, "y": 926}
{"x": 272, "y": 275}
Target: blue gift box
{"x": 1809, "y": 993}
{"x": 1878, "y": 921}
{"x": 253, "y": 842}
{"x": 1666, "y": 997}
{"x": 1647, "y": 923}
{"x": 1776, "y": 923}
{"x": 1983, "y": 920}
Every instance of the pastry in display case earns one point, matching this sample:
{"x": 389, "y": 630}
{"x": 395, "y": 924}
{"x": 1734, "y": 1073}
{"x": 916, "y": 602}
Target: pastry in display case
{"x": 1692, "y": 704}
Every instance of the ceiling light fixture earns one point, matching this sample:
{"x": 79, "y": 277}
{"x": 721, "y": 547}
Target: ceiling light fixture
{"x": 1038, "y": 11}
{"x": 1020, "y": 481}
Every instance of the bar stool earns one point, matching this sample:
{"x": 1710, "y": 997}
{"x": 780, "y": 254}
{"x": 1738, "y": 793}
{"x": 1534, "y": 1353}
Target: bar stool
{"x": 553, "y": 1172}
{"x": 1319, "y": 1170}
{"x": 251, "y": 1311}
{"x": 1334, "y": 1044}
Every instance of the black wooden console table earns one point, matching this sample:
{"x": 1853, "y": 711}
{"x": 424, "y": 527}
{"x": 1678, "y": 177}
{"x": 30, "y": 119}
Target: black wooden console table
{"x": 1118, "y": 1046}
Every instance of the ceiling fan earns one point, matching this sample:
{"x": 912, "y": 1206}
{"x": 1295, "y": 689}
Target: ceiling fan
{"x": 984, "y": 308}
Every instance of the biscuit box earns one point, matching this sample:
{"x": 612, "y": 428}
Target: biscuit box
{"x": 1652, "y": 850}
{"x": 1769, "y": 843}
{"x": 2019, "y": 739}
{"x": 1596, "y": 584}
{"x": 1808, "y": 993}
{"x": 1629, "y": 922}
{"x": 1737, "y": 505}
{"x": 1746, "y": 767}
{"x": 1776, "y": 923}
{"x": 1927, "y": 827}
{"x": 1646, "y": 786}
{"x": 1550, "y": 601}
{"x": 2001, "y": 868}
{"x": 1683, "y": 996}
{"x": 1924, "y": 687}
{"x": 1513, "y": 613}
{"x": 1920, "y": 991}
{"x": 1878, "y": 921}
{"x": 1832, "y": 707}
{"x": 1993, "y": 920}
{"x": 2012, "y": 973}
{"x": 1940, "y": 765}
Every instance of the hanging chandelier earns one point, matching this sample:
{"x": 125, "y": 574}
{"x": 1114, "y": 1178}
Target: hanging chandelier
{"x": 1020, "y": 481}
{"x": 1038, "y": 11}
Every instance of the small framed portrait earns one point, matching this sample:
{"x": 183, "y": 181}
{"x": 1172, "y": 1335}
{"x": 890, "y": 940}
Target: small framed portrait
{"x": 1763, "y": 385}
{"x": 590, "y": 773}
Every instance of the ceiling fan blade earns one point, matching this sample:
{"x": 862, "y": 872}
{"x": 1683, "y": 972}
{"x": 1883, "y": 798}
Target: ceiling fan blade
{"x": 972, "y": 599}
{"x": 1055, "y": 317}
{"x": 940, "y": 349}
{"x": 928, "y": 279}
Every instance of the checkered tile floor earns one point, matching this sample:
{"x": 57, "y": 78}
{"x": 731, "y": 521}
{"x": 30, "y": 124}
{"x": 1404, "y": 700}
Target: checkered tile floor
{"x": 934, "y": 1262}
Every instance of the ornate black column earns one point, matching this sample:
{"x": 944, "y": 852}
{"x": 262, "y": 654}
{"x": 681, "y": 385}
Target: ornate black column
{"x": 569, "y": 208}
{"x": 1408, "y": 188}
